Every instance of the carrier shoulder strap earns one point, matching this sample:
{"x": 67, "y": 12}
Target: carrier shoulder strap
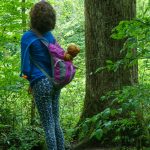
{"x": 46, "y": 43}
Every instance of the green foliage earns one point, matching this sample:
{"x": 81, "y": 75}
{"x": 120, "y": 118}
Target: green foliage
{"x": 137, "y": 45}
{"x": 25, "y": 139}
{"x": 144, "y": 72}
{"x": 136, "y": 34}
{"x": 126, "y": 120}
{"x": 15, "y": 103}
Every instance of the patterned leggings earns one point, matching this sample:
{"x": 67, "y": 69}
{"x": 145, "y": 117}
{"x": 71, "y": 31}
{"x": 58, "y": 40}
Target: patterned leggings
{"x": 47, "y": 102}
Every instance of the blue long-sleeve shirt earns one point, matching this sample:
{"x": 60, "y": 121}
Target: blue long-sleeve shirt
{"x": 32, "y": 46}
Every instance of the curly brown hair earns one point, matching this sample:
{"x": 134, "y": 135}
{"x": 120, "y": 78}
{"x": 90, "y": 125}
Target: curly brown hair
{"x": 42, "y": 17}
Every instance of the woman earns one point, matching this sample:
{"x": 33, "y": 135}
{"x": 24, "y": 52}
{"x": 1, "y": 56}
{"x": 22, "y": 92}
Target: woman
{"x": 42, "y": 20}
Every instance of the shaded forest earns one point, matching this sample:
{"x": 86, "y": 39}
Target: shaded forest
{"x": 114, "y": 115}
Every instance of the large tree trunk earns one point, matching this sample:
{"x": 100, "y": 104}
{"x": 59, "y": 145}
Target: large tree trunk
{"x": 101, "y": 16}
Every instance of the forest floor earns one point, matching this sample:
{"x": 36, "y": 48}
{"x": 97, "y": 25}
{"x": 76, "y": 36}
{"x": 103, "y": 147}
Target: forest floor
{"x": 115, "y": 149}
{"x": 110, "y": 148}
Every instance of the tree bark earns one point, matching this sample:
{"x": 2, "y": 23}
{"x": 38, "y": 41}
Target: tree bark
{"x": 33, "y": 113}
{"x": 23, "y": 16}
{"x": 101, "y": 16}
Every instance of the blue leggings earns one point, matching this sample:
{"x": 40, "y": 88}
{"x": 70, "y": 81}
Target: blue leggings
{"x": 47, "y": 102}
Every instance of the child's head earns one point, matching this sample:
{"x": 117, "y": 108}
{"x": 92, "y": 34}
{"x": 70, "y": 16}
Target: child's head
{"x": 42, "y": 17}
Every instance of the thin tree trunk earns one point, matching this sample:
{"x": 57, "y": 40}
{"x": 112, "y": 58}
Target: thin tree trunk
{"x": 33, "y": 113}
{"x": 23, "y": 16}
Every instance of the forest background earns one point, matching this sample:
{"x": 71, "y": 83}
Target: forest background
{"x": 19, "y": 121}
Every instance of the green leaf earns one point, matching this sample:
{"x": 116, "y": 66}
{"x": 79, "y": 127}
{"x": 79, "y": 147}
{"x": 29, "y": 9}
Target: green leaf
{"x": 109, "y": 62}
{"x": 97, "y": 134}
{"x": 106, "y": 113}
{"x": 108, "y": 124}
